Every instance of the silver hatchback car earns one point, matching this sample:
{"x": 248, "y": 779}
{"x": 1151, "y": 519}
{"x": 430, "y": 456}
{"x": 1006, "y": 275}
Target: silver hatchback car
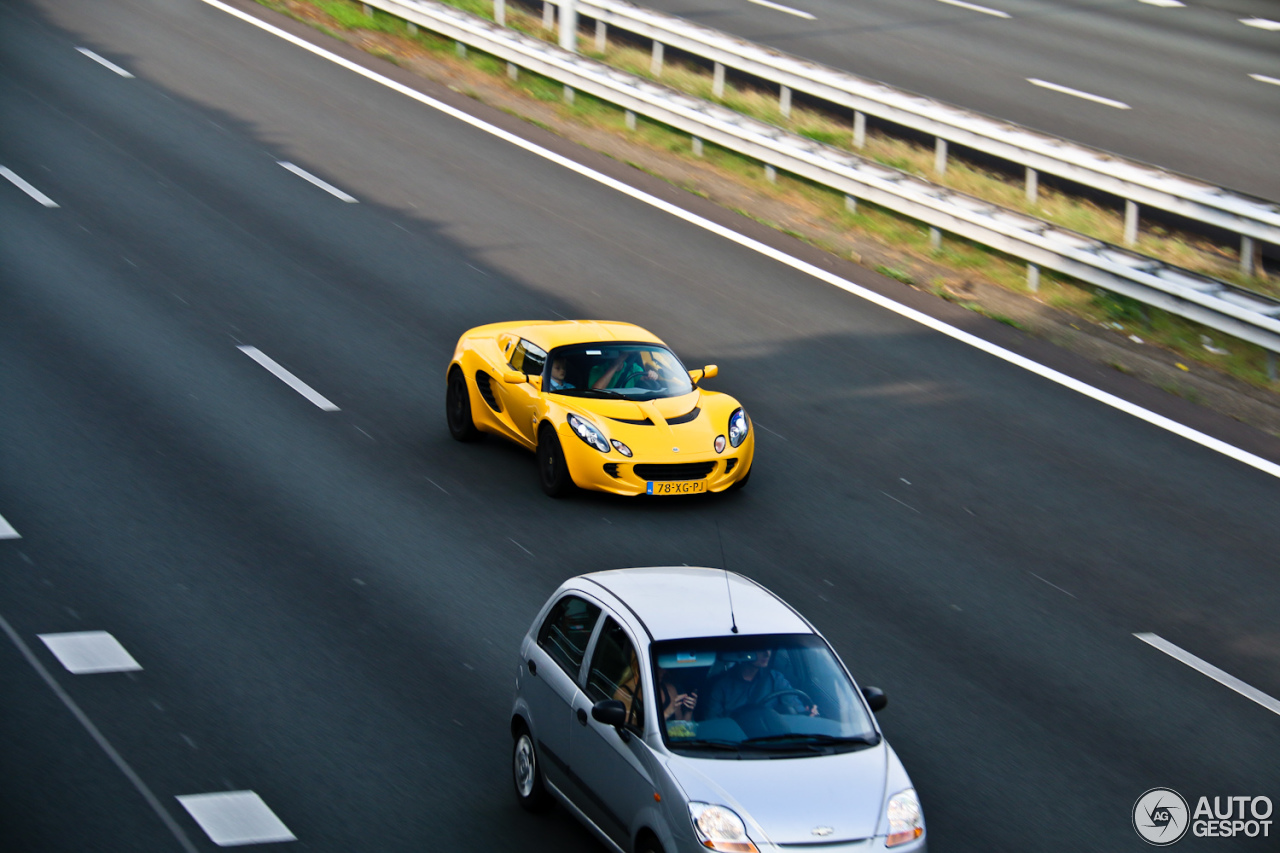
{"x": 688, "y": 709}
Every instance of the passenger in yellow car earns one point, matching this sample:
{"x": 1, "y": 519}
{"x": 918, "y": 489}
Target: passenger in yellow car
{"x": 558, "y": 382}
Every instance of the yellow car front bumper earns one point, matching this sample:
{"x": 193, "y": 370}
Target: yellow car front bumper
{"x": 615, "y": 473}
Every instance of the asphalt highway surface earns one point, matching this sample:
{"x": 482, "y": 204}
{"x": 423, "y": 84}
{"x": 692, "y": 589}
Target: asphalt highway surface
{"x": 319, "y": 594}
{"x": 1191, "y": 86}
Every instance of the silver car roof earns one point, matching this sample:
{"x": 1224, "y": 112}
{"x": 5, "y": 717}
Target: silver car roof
{"x": 676, "y": 602}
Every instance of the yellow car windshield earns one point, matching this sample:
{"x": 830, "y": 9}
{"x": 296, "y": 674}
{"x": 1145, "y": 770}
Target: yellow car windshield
{"x": 627, "y": 371}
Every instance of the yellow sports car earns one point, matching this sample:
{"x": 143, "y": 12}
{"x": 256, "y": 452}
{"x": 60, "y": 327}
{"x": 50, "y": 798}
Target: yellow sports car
{"x": 605, "y": 406}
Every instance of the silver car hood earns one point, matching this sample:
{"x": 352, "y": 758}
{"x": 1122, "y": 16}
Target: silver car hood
{"x": 794, "y": 800}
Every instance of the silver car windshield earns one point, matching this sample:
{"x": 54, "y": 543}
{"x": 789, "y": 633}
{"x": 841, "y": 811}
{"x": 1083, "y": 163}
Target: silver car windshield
{"x": 621, "y": 370}
{"x": 757, "y": 696}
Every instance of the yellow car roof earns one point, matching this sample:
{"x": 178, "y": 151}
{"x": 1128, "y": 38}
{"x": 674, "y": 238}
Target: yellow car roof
{"x": 549, "y": 335}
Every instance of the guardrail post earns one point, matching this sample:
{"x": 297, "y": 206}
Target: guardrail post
{"x": 784, "y": 102}
{"x": 411, "y": 27}
{"x": 1033, "y": 186}
{"x": 1247, "y": 255}
{"x": 461, "y": 49}
{"x": 568, "y": 95}
{"x": 367, "y": 9}
{"x": 1271, "y": 366}
{"x": 935, "y": 238}
{"x": 513, "y": 71}
{"x": 770, "y": 174}
{"x": 851, "y": 203}
{"x": 717, "y": 81}
{"x": 939, "y": 156}
{"x": 602, "y": 36}
{"x": 1033, "y": 278}
{"x": 569, "y": 25}
{"x": 655, "y": 64}
{"x": 859, "y": 129}
{"x": 500, "y": 12}
{"x": 1130, "y": 222}
{"x": 631, "y": 120}
{"x": 697, "y": 146}
{"x": 548, "y": 15}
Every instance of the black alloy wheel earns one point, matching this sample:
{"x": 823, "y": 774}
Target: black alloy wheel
{"x": 553, "y": 473}
{"x": 457, "y": 405}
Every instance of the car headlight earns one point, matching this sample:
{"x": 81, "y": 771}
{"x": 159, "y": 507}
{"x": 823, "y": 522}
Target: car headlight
{"x": 621, "y": 448}
{"x": 738, "y": 427}
{"x": 906, "y": 823}
{"x": 588, "y": 432}
{"x": 720, "y": 828}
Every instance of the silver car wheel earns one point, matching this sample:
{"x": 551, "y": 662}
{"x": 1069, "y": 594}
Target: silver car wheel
{"x": 525, "y": 762}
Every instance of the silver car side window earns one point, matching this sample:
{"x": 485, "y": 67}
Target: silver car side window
{"x": 566, "y": 631}
{"x": 615, "y": 673}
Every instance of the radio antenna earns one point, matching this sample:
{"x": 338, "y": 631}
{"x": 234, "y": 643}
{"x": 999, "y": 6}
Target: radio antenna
{"x": 725, "y": 568}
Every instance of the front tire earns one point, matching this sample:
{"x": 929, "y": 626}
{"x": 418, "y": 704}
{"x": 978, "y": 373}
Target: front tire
{"x": 553, "y": 471}
{"x": 527, "y": 774}
{"x": 457, "y": 406}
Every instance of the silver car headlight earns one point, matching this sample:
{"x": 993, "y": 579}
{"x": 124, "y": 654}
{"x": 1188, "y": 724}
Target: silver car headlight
{"x": 906, "y": 823}
{"x": 588, "y": 432}
{"x": 738, "y": 427}
{"x": 720, "y": 828}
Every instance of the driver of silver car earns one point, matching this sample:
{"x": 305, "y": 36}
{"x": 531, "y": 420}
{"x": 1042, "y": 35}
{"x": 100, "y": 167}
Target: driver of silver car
{"x": 751, "y": 682}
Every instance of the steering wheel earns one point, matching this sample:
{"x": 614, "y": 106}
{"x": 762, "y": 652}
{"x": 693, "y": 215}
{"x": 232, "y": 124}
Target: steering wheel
{"x": 778, "y": 694}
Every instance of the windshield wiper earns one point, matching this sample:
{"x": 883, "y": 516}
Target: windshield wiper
{"x": 604, "y": 392}
{"x": 806, "y": 739}
{"x": 707, "y": 744}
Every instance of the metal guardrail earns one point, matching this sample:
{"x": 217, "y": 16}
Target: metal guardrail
{"x": 1215, "y": 304}
{"x": 1255, "y": 219}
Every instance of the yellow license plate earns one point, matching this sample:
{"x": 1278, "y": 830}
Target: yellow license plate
{"x": 677, "y": 487}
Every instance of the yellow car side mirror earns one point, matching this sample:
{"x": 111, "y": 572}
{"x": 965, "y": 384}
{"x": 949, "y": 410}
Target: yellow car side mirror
{"x": 710, "y": 371}
{"x": 512, "y": 377}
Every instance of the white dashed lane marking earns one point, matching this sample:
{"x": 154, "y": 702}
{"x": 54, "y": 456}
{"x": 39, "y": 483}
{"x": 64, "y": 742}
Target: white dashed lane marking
{"x": 26, "y": 187}
{"x": 1165, "y": 4}
{"x": 1261, "y": 24}
{"x": 1205, "y": 668}
{"x": 778, "y": 7}
{"x": 7, "y": 531}
{"x": 232, "y": 818}
{"x": 1076, "y": 93}
{"x": 88, "y": 652}
{"x": 973, "y": 7}
{"x": 1262, "y": 78}
{"x": 324, "y": 185}
{"x": 106, "y": 63}
{"x": 288, "y": 378}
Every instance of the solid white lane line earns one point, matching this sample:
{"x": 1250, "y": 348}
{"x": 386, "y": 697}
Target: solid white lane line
{"x": 1262, "y": 78}
{"x": 7, "y": 531}
{"x": 1165, "y": 4}
{"x": 1205, "y": 668}
{"x": 867, "y": 295}
{"x": 780, "y": 8}
{"x": 89, "y": 652}
{"x": 1066, "y": 90}
{"x": 27, "y": 188}
{"x": 324, "y": 185}
{"x": 106, "y": 63}
{"x": 1261, "y": 24}
{"x": 973, "y": 7}
{"x": 288, "y": 378}
{"x": 233, "y": 818}
{"x": 102, "y": 742}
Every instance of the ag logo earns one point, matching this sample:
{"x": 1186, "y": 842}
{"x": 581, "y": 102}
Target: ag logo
{"x": 1160, "y": 816}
